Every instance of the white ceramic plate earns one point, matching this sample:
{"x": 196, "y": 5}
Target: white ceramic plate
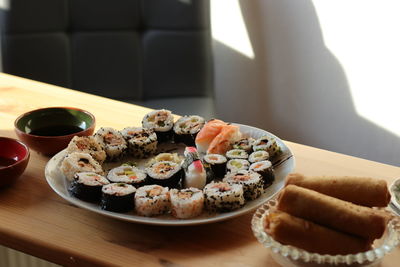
{"x": 282, "y": 167}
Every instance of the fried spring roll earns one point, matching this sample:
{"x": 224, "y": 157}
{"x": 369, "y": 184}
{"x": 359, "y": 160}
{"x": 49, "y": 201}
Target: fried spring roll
{"x": 363, "y": 191}
{"x": 332, "y": 212}
{"x": 290, "y": 230}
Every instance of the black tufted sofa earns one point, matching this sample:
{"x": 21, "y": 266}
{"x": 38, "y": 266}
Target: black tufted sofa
{"x": 133, "y": 50}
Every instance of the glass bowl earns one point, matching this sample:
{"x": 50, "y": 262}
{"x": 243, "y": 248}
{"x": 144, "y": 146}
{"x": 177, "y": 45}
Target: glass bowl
{"x": 291, "y": 256}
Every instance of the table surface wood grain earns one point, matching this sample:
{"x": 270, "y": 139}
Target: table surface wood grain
{"x": 35, "y": 220}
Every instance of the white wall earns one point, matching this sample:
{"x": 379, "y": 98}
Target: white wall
{"x": 317, "y": 72}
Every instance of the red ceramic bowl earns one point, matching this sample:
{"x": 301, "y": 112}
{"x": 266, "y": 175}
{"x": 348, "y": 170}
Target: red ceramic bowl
{"x": 14, "y": 156}
{"x": 49, "y": 130}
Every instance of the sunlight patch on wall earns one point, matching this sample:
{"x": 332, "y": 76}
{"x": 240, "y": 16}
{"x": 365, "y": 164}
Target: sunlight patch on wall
{"x": 363, "y": 36}
{"x": 228, "y": 26}
{"x": 5, "y": 4}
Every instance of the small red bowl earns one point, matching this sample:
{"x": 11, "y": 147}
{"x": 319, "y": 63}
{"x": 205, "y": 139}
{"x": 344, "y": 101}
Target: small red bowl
{"x": 14, "y": 157}
{"x": 49, "y": 130}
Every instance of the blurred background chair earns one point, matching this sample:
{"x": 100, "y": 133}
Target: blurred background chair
{"x": 149, "y": 52}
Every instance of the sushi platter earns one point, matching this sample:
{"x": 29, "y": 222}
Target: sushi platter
{"x": 110, "y": 168}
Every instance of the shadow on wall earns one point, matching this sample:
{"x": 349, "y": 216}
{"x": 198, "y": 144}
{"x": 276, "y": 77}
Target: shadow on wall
{"x": 294, "y": 87}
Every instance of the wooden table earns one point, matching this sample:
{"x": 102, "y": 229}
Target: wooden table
{"x": 35, "y": 220}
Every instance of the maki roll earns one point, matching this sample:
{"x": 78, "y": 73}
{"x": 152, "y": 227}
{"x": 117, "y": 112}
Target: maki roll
{"x": 217, "y": 164}
{"x": 151, "y": 200}
{"x": 258, "y": 156}
{"x": 186, "y": 203}
{"x": 89, "y": 145}
{"x": 252, "y": 182}
{"x": 174, "y": 157}
{"x": 112, "y": 141}
{"x": 268, "y": 144}
{"x": 195, "y": 174}
{"x": 118, "y": 197}
{"x": 186, "y": 129}
{"x": 245, "y": 144}
{"x": 79, "y": 162}
{"x": 235, "y": 165}
{"x": 87, "y": 186}
{"x": 237, "y": 154}
{"x": 265, "y": 169}
{"x": 223, "y": 197}
{"x": 142, "y": 142}
{"x": 165, "y": 173}
{"x": 127, "y": 174}
{"x": 162, "y": 122}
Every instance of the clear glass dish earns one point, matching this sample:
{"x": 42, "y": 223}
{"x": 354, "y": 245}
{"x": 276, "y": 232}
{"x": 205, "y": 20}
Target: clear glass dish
{"x": 292, "y": 256}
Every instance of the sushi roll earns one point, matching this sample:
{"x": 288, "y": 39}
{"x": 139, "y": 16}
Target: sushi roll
{"x": 187, "y": 128}
{"x": 237, "y": 154}
{"x": 87, "y": 186}
{"x": 252, "y": 182}
{"x": 258, "y": 156}
{"x": 217, "y": 164}
{"x": 127, "y": 174}
{"x": 245, "y": 144}
{"x": 151, "y": 200}
{"x": 207, "y": 134}
{"x": 235, "y": 165}
{"x": 174, "y": 157}
{"x": 195, "y": 174}
{"x": 79, "y": 162}
{"x": 118, "y": 197}
{"x": 186, "y": 203}
{"x": 165, "y": 173}
{"x": 89, "y": 145}
{"x": 268, "y": 144}
{"x": 223, "y": 197}
{"x": 162, "y": 122}
{"x": 142, "y": 142}
{"x": 112, "y": 141}
{"x": 265, "y": 169}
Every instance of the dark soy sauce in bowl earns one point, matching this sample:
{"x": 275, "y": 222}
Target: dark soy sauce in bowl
{"x": 56, "y": 130}
{"x": 5, "y": 162}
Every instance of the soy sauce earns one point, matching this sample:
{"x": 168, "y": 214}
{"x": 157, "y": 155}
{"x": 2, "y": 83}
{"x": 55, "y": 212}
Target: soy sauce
{"x": 56, "y": 130}
{"x": 4, "y": 162}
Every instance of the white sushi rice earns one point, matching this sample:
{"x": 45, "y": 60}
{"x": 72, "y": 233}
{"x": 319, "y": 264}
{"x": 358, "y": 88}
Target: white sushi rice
{"x": 222, "y": 196}
{"x": 258, "y": 156}
{"x": 237, "y": 154}
{"x": 252, "y": 182}
{"x": 87, "y": 144}
{"x": 118, "y": 189}
{"x": 79, "y": 162}
{"x": 90, "y": 179}
{"x": 235, "y": 165}
{"x": 159, "y": 120}
{"x": 112, "y": 141}
{"x": 151, "y": 200}
{"x": 142, "y": 142}
{"x": 186, "y": 203}
{"x": 126, "y": 174}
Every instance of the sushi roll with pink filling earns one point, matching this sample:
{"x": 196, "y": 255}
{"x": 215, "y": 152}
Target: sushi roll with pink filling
{"x": 112, "y": 141}
{"x": 162, "y": 122}
{"x": 195, "y": 174}
{"x": 151, "y": 200}
{"x": 186, "y": 203}
{"x": 223, "y": 196}
{"x": 252, "y": 182}
{"x": 118, "y": 197}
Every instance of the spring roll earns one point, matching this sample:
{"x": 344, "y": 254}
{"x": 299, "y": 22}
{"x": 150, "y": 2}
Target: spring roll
{"x": 362, "y": 191}
{"x": 332, "y": 212}
{"x": 294, "y": 231}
